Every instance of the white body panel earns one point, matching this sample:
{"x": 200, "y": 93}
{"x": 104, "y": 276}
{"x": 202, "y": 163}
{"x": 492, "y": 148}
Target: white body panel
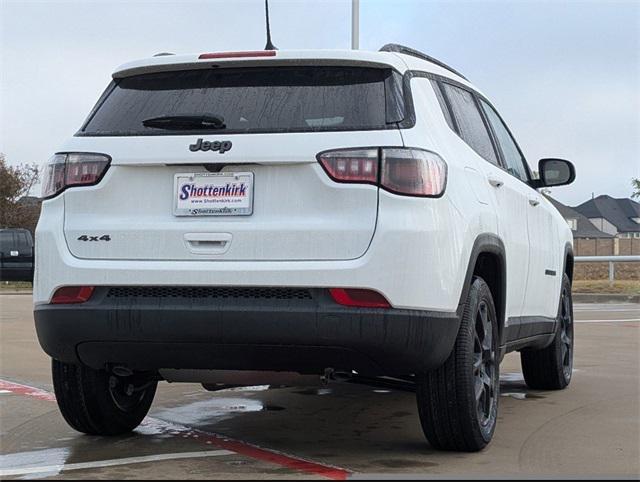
{"x": 397, "y": 263}
{"x": 507, "y": 196}
{"x": 299, "y": 213}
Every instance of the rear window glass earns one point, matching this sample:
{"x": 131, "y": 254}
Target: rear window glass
{"x": 281, "y": 99}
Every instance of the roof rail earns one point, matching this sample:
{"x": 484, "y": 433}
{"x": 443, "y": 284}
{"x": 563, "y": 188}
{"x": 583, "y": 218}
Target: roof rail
{"x": 401, "y": 49}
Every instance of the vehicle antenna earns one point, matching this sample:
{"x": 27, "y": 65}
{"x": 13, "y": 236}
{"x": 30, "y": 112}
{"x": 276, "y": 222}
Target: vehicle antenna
{"x": 269, "y": 45}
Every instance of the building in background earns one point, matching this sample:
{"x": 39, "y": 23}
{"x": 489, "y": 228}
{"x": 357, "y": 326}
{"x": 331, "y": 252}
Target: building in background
{"x": 618, "y": 217}
{"x": 580, "y": 225}
{"x": 588, "y": 240}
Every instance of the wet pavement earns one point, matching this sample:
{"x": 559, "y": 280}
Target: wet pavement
{"x": 333, "y": 431}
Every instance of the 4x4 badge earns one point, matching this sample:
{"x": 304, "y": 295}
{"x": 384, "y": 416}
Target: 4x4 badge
{"x": 202, "y": 145}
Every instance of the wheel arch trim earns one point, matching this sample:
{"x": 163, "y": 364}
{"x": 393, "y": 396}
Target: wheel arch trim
{"x": 487, "y": 243}
{"x": 568, "y": 256}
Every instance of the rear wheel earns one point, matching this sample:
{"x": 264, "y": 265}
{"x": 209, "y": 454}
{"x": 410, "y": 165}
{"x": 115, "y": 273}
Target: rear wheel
{"x": 97, "y": 402}
{"x": 458, "y": 402}
{"x": 551, "y": 367}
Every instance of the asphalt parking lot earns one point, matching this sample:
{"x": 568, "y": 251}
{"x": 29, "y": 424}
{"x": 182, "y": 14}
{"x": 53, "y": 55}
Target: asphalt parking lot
{"x": 334, "y": 431}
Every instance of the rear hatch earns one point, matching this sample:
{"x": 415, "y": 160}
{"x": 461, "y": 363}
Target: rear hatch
{"x": 226, "y": 169}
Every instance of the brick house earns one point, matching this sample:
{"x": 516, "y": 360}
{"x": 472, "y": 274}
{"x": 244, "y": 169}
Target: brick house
{"x": 581, "y": 226}
{"x": 618, "y": 217}
{"x": 588, "y": 240}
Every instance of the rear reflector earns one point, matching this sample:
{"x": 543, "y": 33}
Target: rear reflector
{"x": 72, "y": 294}
{"x": 359, "y": 297}
{"x": 235, "y": 55}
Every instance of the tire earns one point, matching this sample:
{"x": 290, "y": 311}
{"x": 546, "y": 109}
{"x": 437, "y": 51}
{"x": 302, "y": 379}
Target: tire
{"x": 551, "y": 367}
{"x": 458, "y": 402}
{"x": 96, "y": 402}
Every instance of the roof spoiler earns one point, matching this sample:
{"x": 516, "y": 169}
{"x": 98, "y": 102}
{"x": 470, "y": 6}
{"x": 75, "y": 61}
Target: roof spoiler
{"x": 401, "y": 49}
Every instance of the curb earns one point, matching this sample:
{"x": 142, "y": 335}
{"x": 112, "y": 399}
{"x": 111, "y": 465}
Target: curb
{"x": 16, "y": 292}
{"x": 604, "y": 298}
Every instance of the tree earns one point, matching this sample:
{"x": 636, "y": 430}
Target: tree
{"x": 17, "y": 209}
{"x": 635, "y": 183}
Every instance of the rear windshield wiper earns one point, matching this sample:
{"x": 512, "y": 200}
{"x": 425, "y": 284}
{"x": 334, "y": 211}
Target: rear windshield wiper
{"x": 186, "y": 121}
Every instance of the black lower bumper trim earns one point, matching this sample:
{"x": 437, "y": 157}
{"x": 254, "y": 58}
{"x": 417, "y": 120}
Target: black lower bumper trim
{"x": 304, "y": 334}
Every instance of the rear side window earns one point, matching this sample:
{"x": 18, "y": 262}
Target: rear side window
{"x": 513, "y": 159}
{"x": 23, "y": 243}
{"x": 7, "y": 243}
{"x": 443, "y": 104}
{"x": 471, "y": 126}
{"x": 257, "y": 99}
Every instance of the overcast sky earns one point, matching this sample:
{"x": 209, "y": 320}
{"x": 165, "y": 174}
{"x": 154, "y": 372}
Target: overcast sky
{"x": 564, "y": 75}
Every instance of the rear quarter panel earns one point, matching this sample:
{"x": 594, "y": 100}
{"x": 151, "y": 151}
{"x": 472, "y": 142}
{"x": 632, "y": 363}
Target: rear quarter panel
{"x": 464, "y": 212}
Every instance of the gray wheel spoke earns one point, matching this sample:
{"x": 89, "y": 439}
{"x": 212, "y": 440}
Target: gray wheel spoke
{"x": 487, "y": 343}
{"x": 477, "y": 363}
{"x": 486, "y": 379}
{"x": 479, "y": 388}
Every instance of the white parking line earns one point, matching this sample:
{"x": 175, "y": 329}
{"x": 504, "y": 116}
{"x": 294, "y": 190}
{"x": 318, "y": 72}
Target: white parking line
{"x": 608, "y": 321}
{"x": 7, "y": 472}
{"x": 605, "y": 310}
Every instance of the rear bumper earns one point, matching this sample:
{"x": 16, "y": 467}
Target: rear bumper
{"x": 301, "y": 333}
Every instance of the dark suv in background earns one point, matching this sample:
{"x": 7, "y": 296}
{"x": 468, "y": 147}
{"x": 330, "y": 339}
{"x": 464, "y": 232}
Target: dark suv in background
{"x": 16, "y": 255}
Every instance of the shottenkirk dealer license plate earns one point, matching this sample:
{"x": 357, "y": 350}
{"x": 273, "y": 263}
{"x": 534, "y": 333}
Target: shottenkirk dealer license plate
{"x": 213, "y": 194}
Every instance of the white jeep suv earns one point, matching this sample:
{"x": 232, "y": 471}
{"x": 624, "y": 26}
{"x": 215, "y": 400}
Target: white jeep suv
{"x": 223, "y": 216}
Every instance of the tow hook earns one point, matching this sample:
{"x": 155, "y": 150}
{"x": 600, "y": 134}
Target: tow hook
{"x": 338, "y": 376}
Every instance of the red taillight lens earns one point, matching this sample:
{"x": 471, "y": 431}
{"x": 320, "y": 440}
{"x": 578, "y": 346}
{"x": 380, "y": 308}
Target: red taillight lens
{"x": 235, "y": 55}
{"x": 66, "y": 170}
{"x": 405, "y": 171}
{"x": 351, "y": 165}
{"x": 413, "y": 172}
{"x": 72, "y": 294}
{"x": 359, "y": 297}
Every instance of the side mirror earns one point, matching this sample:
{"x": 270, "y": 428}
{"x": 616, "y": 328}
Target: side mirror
{"x": 555, "y": 172}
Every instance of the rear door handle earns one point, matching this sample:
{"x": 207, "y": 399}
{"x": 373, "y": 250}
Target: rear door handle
{"x": 533, "y": 201}
{"x": 495, "y": 182}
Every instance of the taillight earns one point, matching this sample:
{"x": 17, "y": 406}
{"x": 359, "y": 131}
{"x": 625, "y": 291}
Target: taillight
{"x": 413, "y": 172}
{"x": 72, "y": 294}
{"x": 75, "y": 169}
{"x": 351, "y": 165}
{"x": 404, "y": 171}
{"x": 359, "y": 297}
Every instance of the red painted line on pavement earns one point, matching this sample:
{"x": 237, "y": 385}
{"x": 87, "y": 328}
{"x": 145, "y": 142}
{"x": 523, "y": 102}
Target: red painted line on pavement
{"x": 237, "y": 446}
{"x": 294, "y": 463}
{"x": 25, "y": 390}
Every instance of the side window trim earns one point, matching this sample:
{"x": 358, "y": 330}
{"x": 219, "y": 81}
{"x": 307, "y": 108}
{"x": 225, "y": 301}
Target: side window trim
{"x": 444, "y": 105}
{"x": 523, "y": 160}
{"x": 482, "y": 115}
{"x": 494, "y": 140}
